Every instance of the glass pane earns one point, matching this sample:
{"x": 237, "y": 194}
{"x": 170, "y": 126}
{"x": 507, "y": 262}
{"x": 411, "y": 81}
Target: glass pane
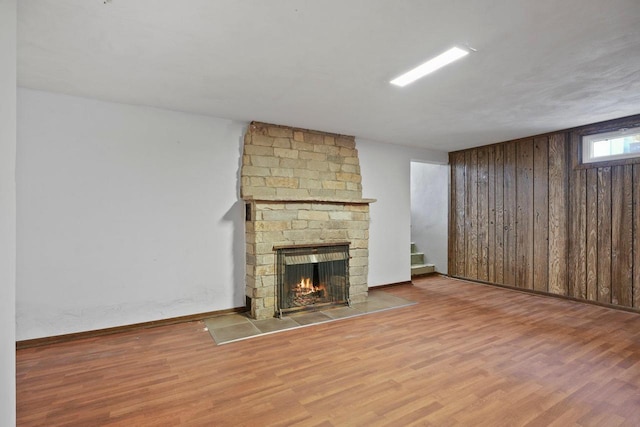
{"x": 622, "y": 145}
{"x": 601, "y": 148}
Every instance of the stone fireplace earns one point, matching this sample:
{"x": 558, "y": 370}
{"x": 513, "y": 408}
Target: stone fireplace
{"x": 303, "y": 195}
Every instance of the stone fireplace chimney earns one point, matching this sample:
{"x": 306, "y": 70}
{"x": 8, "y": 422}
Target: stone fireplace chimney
{"x": 301, "y": 188}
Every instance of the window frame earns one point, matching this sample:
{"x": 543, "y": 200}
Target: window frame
{"x": 588, "y": 140}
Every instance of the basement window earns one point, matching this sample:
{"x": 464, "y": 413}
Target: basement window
{"x": 615, "y": 145}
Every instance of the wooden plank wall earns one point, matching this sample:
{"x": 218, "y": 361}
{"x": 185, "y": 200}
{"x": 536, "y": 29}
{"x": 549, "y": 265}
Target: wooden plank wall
{"x": 528, "y": 214}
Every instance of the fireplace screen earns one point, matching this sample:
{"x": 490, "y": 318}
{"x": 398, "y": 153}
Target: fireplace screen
{"x": 309, "y": 277}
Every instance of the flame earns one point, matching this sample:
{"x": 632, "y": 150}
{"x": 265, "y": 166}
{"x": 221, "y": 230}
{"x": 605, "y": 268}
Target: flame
{"x": 305, "y": 286}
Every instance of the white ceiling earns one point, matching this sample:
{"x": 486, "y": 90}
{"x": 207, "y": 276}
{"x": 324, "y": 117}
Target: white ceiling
{"x": 540, "y": 65}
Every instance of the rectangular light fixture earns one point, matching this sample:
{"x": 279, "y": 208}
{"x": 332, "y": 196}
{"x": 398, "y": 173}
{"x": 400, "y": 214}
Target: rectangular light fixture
{"x": 430, "y": 66}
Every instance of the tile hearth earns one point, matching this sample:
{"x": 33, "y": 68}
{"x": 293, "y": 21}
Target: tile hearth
{"x": 235, "y": 327}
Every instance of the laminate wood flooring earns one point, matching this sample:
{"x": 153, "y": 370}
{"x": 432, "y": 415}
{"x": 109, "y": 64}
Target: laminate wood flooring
{"x": 466, "y": 354}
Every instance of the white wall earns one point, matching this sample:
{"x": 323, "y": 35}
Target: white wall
{"x": 7, "y": 212}
{"x": 129, "y": 214}
{"x": 386, "y": 177}
{"x": 429, "y": 212}
{"x": 126, "y": 214}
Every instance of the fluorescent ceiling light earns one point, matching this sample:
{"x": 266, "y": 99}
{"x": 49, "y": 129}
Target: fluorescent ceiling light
{"x": 430, "y": 66}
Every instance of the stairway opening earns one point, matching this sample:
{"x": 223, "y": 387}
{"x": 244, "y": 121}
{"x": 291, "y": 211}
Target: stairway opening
{"x": 429, "y": 217}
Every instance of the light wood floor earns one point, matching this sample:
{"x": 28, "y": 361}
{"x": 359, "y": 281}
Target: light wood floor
{"x": 466, "y": 354}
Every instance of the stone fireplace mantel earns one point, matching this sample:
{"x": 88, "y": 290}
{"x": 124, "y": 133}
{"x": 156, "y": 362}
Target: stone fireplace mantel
{"x": 312, "y": 200}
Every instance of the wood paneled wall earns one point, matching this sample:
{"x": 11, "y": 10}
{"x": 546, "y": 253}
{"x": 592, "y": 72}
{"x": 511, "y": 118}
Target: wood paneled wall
{"x": 529, "y": 214}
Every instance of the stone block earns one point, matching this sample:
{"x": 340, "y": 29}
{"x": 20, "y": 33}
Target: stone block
{"x": 257, "y": 181}
{"x": 327, "y": 176}
{"x": 326, "y": 207}
{"x": 308, "y": 155}
{"x": 347, "y": 195}
{"x": 310, "y": 183}
{"x": 296, "y": 206}
{"x": 262, "y": 140}
{"x": 249, "y": 282}
{"x": 247, "y": 137}
{"x": 358, "y": 208}
{"x": 265, "y": 259}
{"x": 285, "y": 172}
{"x": 359, "y": 244}
{"x": 350, "y": 177}
{"x": 281, "y": 143}
{"x": 299, "y": 225}
{"x": 342, "y": 215}
{"x": 286, "y": 153}
{"x": 293, "y": 164}
{"x": 344, "y": 141}
{"x": 272, "y": 206}
{"x": 262, "y": 270}
{"x": 322, "y": 193}
{"x": 265, "y": 248}
{"x": 269, "y": 283}
{"x": 317, "y": 165}
{"x": 329, "y": 225}
{"x": 351, "y": 161}
{"x": 271, "y": 225}
{"x": 280, "y": 132}
{"x": 302, "y": 236}
{"x": 269, "y": 302}
{"x": 359, "y": 234}
{"x": 334, "y": 235}
{"x": 348, "y": 152}
{"x": 334, "y": 185}
{"x": 337, "y": 159}
{"x": 258, "y": 192}
{"x": 360, "y": 216}
{"x": 263, "y": 313}
{"x": 359, "y": 225}
{"x": 298, "y": 136}
{"x": 314, "y": 138}
{"x": 358, "y": 298}
{"x": 282, "y": 182}
{"x": 305, "y": 173}
{"x": 357, "y": 271}
{"x": 358, "y": 261}
{"x": 313, "y": 215}
{"x": 250, "y": 248}
{"x": 258, "y": 150}
{"x": 259, "y": 292}
{"x": 330, "y": 150}
{"x": 357, "y": 285}
{"x": 292, "y": 193}
{"x": 352, "y": 186}
{"x": 270, "y": 237}
{"x": 250, "y": 259}
{"x": 255, "y": 171}
{"x": 350, "y": 169}
{"x": 265, "y": 161}
{"x": 333, "y": 167}
{"x": 359, "y": 253}
{"x": 279, "y": 215}
{"x": 301, "y": 146}
{"x": 258, "y": 128}
{"x": 329, "y": 140}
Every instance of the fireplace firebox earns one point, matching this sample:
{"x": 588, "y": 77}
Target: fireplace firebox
{"x": 309, "y": 277}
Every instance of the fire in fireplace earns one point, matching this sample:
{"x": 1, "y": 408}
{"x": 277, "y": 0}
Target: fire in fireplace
{"x": 312, "y": 276}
